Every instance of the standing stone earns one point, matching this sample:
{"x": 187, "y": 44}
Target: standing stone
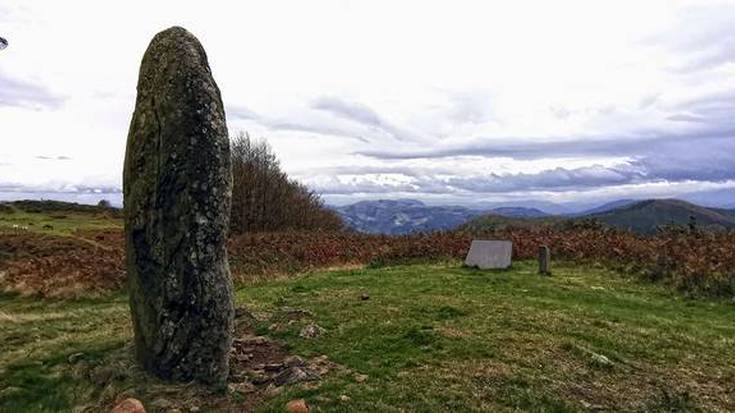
{"x": 489, "y": 254}
{"x": 177, "y": 185}
{"x": 544, "y": 260}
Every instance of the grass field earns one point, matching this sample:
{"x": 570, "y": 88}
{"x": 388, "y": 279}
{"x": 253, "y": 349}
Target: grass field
{"x": 429, "y": 338}
{"x": 57, "y": 223}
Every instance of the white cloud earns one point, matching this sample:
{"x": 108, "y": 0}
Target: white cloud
{"x": 327, "y": 81}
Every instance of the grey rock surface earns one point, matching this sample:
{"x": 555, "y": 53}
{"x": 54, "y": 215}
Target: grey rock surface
{"x": 177, "y": 185}
{"x": 489, "y": 254}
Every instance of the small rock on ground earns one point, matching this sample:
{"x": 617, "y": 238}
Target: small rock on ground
{"x": 129, "y": 405}
{"x": 297, "y": 406}
{"x": 601, "y": 361}
{"x": 311, "y": 331}
{"x": 73, "y": 358}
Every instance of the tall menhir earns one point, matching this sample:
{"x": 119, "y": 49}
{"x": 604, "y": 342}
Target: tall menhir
{"x": 177, "y": 184}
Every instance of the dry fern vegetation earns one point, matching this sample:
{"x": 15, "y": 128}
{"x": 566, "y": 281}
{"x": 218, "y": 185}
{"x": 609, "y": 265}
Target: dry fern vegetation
{"x": 626, "y": 322}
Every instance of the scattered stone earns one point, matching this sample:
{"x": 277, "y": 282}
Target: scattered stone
{"x": 74, "y": 358}
{"x": 321, "y": 365}
{"x": 487, "y": 255}
{"x": 177, "y": 185}
{"x": 291, "y": 312}
{"x": 242, "y": 312}
{"x": 129, "y": 405}
{"x": 345, "y": 398}
{"x": 272, "y": 390}
{"x": 244, "y": 387}
{"x": 311, "y": 331}
{"x": 364, "y": 297}
{"x": 593, "y": 407}
{"x": 194, "y": 409}
{"x": 295, "y": 375}
{"x": 273, "y": 367}
{"x": 297, "y": 406}
{"x": 292, "y": 361}
{"x": 259, "y": 377}
{"x": 243, "y": 356}
{"x": 601, "y": 361}
{"x": 252, "y": 341}
{"x": 361, "y": 378}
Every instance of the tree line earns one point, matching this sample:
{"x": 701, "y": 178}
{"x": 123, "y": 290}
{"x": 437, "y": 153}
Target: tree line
{"x": 264, "y": 198}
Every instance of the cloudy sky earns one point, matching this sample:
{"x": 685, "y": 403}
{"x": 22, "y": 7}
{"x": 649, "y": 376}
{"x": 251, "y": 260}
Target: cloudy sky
{"x": 449, "y": 102}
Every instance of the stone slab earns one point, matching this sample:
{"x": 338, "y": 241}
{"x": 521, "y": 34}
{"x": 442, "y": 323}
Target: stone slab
{"x": 489, "y": 254}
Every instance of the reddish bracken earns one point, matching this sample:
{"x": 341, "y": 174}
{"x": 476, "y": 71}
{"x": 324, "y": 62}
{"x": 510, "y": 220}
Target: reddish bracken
{"x": 92, "y": 262}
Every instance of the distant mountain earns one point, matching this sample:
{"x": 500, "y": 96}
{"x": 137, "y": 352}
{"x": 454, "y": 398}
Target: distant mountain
{"x": 519, "y": 212}
{"x": 620, "y": 203}
{"x": 646, "y": 216}
{"x": 546, "y": 207}
{"x": 405, "y": 216}
{"x": 402, "y": 216}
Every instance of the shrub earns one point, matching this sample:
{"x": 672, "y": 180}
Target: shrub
{"x": 265, "y": 199}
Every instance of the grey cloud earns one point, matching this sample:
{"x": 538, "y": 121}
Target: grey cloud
{"x": 649, "y": 170}
{"x": 349, "y": 110}
{"x": 527, "y": 148}
{"x": 687, "y": 117}
{"x": 62, "y": 188}
{"x": 648, "y": 101}
{"x": 243, "y": 113}
{"x": 362, "y": 114}
{"x": 318, "y": 129}
{"x": 53, "y": 158}
{"x": 19, "y": 93}
{"x": 658, "y": 159}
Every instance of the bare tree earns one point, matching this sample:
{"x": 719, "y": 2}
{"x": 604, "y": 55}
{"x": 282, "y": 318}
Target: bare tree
{"x": 265, "y": 199}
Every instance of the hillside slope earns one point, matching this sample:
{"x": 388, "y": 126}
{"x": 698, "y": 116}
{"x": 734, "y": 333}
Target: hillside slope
{"x": 647, "y": 216}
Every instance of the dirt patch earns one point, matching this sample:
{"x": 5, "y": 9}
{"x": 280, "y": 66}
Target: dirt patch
{"x": 260, "y": 368}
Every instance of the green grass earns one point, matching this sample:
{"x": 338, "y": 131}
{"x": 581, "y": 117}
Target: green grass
{"x": 61, "y": 222}
{"x": 429, "y": 338}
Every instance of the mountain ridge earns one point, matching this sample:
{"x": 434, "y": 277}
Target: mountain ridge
{"x": 645, "y": 216}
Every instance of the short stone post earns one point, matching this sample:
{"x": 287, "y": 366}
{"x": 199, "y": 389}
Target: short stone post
{"x": 544, "y": 260}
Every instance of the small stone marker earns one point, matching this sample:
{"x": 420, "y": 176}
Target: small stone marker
{"x": 487, "y": 255}
{"x": 544, "y": 260}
